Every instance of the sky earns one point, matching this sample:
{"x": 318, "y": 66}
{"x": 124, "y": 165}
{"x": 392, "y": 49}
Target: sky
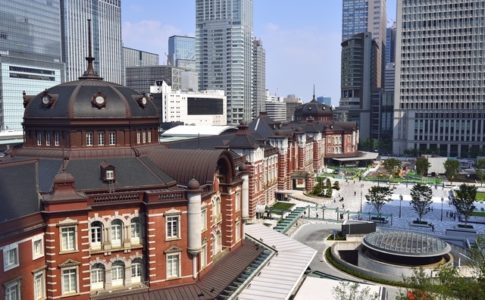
{"x": 301, "y": 38}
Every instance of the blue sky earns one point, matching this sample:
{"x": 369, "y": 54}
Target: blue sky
{"x": 302, "y": 38}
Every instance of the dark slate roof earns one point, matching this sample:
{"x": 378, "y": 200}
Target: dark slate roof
{"x": 130, "y": 172}
{"x": 313, "y": 109}
{"x": 72, "y": 100}
{"x": 48, "y": 168}
{"x": 18, "y": 186}
{"x": 184, "y": 164}
{"x": 222, "y": 274}
{"x": 263, "y": 126}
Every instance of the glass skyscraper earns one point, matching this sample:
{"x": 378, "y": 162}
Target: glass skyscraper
{"x": 106, "y": 37}
{"x": 181, "y": 52}
{"x": 224, "y": 50}
{"x": 440, "y": 65}
{"x": 30, "y": 54}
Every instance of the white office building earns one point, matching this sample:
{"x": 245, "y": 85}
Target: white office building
{"x": 223, "y": 52}
{"x": 192, "y": 108}
{"x": 106, "y": 38}
{"x": 439, "y": 87}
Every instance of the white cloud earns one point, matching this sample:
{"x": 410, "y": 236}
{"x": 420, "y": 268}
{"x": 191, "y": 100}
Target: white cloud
{"x": 149, "y": 35}
{"x": 298, "y": 58}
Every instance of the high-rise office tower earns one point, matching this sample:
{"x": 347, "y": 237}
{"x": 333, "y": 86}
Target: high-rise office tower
{"x": 390, "y": 51}
{"x": 358, "y": 81}
{"x": 30, "y": 54}
{"x": 439, "y": 104}
{"x": 258, "y": 87}
{"x": 223, "y": 52}
{"x": 136, "y": 58}
{"x": 181, "y": 52}
{"x": 106, "y": 31}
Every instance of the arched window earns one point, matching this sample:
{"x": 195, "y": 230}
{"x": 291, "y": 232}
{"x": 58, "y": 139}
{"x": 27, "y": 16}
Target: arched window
{"x": 97, "y": 276}
{"x": 216, "y": 209}
{"x": 216, "y": 243}
{"x": 118, "y": 273}
{"x": 136, "y": 271}
{"x": 96, "y": 235}
{"x": 135, "y": 231}
{"x": 116, "y": 233}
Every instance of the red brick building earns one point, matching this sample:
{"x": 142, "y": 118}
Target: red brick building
{"x": 95, "y": 207}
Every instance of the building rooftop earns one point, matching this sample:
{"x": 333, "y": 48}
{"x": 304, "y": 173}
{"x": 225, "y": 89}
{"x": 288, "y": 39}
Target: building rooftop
{"x": 406, "y": 243}
{"x": 195, "y": 131}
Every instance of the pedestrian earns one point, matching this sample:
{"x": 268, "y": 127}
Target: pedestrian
{"x": 317, "y": 215}
{"x": 432, "y": 227}
{"x": 355, "y": 193}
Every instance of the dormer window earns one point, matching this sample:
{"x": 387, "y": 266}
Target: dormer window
{"x": 143, "y": 100}
{"x": 107, "y": 172}
{"x": 47, "y": 100}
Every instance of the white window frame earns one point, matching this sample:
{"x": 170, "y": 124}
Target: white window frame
{"x": 203, "y": 256}
{"x": 238, "y": 231}
{"x": 101, "y": 138}
{"x": 172, "y": 270}
{"x": 112, "y": 138}
{"x": 39, "y": 286}
{"x": 95, "y": 233}
{"x": 47, "y": 138}
{"x": 118, "y": 273}
{"x": 144, "y": 137}
{"x": 203, "y": 218}
{"x": 65, "y": 245}
{"x": 149, "y": 136}
{"x": 135, "y": 229}
{"x": 57, "y": 138}
{"x": 136, "y": 269}
{"x": 39, "y": 138}
{"x": 138, "y": 137}
{"x": 37, "y": 247}
{"x": 97, "y": 277}
{"x": 110, "y": 175}
{"x": 237, "y": 200}
{"x": 15, "y": 285}
{"x": 89, "y": 138}
{"x": 7, "y": 263}
{"x": 72, "y": 289}
{"x": 170, "y": 227}
{"x": 116, "y": 242}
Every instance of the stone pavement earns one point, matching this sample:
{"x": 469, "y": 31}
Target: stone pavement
{"x": 353, "y": 194}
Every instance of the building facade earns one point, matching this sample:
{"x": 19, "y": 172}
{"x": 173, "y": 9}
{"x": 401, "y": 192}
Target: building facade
{"x": 136, "y": 58}
{"x": 30, "y": 55}
{"x": 359, "y": 81}
{"x": 325, "y": 100}
{"x": 105, "y": 16}
{"x": 181, "y": 52}
{"x": 390, "y": 56}
{"x": 191, "y": 108}
{"x": 105, "y": 210}
{"x": 224, "y": 51}
{"x": 141, "y": 78}
{"x": 439, "y": 101}
{"x": 258, "y": 85}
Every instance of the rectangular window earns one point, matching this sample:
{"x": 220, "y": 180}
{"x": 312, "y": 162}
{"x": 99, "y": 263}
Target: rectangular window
{"x": 89, "y": 138}
{"x": 47, "y": 138}
{"x": 101, "y": 138}
{"x": 56, "y": 139}
{"x": 37, "y": 247}
{"x": 39, "y": 138}
{"x": 116, "y": 235}
{"x": 10, "y": 256}
{"x": 138, "y": 137}
{"x": 12, "y": 290}
{"x": 203, "y": 256}
{"x": 173, "y": 227}
{"x": 39, "y": 286}
{"x": 149, "y": 136}
{"x": 238, "y": 231}
{"x": 135, "y": 232}
{"x": 112, "y": 138}
{"x": 144, "y": 137}
{"x": 68, "y": 238}
{"x": 203, "y": 219}
{"x": 69, "y": 281}
{"x": 135, "y": 272}
{"x": 237, "y": 205}
{"x": 173, "y": 265}
{"x": 96, "y": 235}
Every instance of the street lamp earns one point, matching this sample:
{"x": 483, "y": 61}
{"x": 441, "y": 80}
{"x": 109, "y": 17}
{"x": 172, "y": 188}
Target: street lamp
{"x": 361, "y": 187}
{"x": 442, "y": 199}
{"x": 400, "y": 205}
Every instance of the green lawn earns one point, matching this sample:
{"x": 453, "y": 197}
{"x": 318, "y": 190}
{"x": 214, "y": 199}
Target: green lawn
{"x": 480, "y": 196}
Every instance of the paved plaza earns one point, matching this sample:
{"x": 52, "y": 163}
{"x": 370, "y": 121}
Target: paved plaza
{"x": 353, "y": 195}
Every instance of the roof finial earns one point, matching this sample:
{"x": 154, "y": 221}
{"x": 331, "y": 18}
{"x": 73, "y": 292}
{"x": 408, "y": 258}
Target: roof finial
{"x": 90, "y": 73}
{"x": 313, "y": 99}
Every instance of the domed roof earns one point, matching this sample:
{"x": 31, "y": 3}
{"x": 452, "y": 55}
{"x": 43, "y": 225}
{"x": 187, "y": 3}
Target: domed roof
{"x": 90, "y": 99}
{"x": 313, "y": 109}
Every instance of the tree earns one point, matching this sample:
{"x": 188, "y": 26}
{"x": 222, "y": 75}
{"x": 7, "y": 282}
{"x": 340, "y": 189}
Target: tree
{"x": 318, "y": 188}
{"x": 452, "y": 166}
{"x": 392, "y": 165}
{"x": 464, "y": 199}
{"x": 352, "y": 291}
{"x": 422, "y": 166}
{"x": 378, "y": 196}
{"x": 328, "y": 184}
{"x": 336, "y": 185}
{"x": 421, "y": 199}
{"x": 480, "y": 170}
